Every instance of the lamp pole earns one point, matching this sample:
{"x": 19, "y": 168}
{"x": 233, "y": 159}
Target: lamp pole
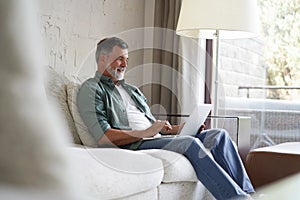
{"x": 216, "y": 75}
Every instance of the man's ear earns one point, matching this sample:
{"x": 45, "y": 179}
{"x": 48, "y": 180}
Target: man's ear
{"x": 102, "y": 62}
{"x": 102, "y": 58}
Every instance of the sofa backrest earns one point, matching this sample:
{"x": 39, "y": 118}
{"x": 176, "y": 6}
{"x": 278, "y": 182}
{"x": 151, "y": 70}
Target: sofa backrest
{"x": 56, "y": 91}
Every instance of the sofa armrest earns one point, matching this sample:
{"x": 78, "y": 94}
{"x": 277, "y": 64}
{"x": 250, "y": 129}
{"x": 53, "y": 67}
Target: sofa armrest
{"x": 112, "y": 173}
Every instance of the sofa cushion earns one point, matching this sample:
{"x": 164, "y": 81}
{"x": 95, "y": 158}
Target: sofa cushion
{"x": 112, "y": 173}
{"x": 176, "y": 167}
{"x": 56, "y": 91}
{"x": 86, "y": 138}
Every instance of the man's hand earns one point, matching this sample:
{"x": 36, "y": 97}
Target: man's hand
{"x": 172, "y": 130}
{"x": 167, "y": 128}
{"x": 202, "y": 128}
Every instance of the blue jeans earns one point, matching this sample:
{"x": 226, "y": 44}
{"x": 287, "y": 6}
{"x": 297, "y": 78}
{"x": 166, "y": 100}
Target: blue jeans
{"x": 225, "y": 176}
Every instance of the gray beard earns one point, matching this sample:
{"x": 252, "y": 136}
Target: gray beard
{"x": 114, "y": 72}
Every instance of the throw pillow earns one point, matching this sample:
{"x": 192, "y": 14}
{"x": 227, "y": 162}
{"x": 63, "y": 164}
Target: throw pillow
{"x": 83, "y": 132}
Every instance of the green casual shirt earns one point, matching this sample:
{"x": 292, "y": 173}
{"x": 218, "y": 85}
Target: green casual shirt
{"x": 101, "y": 106}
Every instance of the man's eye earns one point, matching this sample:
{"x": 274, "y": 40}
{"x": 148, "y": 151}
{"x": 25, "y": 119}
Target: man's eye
{"x": 123, "y": 60}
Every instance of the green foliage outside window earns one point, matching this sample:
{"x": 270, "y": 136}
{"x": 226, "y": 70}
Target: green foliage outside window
{"x": 281, "y": 32}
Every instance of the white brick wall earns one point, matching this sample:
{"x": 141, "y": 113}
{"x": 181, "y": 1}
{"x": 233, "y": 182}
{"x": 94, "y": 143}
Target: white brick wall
{"x": 71, "y": 29}
{"x": 241, "y": 65}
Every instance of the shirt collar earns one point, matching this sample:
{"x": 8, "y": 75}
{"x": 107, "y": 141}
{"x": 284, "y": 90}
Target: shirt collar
{"x": 121, "y": 82}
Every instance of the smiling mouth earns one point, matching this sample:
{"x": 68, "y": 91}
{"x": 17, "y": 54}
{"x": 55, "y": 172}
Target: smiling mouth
{"x": 120, "y": 69}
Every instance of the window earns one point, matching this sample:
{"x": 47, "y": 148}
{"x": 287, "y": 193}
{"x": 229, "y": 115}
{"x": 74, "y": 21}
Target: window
{"x": 250, "y": 70}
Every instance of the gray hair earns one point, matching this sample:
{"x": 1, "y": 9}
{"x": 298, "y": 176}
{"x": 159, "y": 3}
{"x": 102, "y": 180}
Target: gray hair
{"x": 106, "y": 46}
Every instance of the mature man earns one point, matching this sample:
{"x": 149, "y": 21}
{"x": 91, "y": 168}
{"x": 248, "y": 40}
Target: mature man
{"x": 116, "y": 113}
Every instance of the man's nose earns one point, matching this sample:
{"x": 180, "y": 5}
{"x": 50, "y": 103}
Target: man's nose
{"x": 124, "y": 63}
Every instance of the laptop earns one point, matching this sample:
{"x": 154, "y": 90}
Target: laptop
{"x": 192, "y": 124}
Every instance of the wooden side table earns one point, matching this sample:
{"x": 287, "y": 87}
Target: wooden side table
{"x": 268, "y": 164}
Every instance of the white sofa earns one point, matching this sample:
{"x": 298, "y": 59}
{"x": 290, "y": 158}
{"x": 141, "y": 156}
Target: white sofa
{"x": 112, "y": 173}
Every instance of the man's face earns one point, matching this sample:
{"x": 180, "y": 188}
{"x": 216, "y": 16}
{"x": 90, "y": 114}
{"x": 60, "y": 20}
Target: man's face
{"x": 117, "y": 63}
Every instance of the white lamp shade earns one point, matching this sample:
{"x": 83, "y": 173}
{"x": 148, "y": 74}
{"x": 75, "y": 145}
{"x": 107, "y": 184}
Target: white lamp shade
{"x": 233, "y": 19}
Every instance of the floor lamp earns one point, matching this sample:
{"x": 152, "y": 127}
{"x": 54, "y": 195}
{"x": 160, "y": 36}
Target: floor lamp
{"x": 218, "y": 19}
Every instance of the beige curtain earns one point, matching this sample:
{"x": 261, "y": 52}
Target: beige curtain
{"x": 165, "y": 55}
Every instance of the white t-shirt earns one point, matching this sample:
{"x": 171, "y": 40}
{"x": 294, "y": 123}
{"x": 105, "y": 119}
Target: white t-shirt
{"x": 137, "y": 119}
